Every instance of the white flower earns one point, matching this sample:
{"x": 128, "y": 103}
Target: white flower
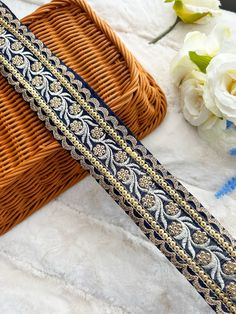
{"x": 220, "y": 88}
{"x": 192, "y": 11}
{"x": 200, "y": 43}
{"x": 196, "y": 11}
{"x": 191, "y": 99}
{"x": 206, "y": 76}
{"x": 219, "y": 134}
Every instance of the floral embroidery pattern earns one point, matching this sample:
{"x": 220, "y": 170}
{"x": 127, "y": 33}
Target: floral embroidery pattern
{"x": 36, "y": 66}
{"x": 76, "y": 126}
{"x": 123, "y": 174}
{"x": 55, "y": 102}
{"x": 97, "y": 132}
{"x": 37, "y": 81}
{"x": 17, "y": 45}
{"x": 172, "y": 209}
{"x": 160, "y": 205}
{"x": 18, "y": 60}
{"x": 175, "y": 228}
{"x": 231, "y": 289}
{"x": 55, "y": 87}
{"x": 229, "y": 268}
{"x": 203, "y": 258}
{"x": 74, "y": 109}
{"x": 148, "y": 201}
{"x": 145, "y": 182}
{"x": 99, "y": 150}
{"x": 186, "y": 232}
{"x": 200, "y": 237}
{"x": 121, "y": 156}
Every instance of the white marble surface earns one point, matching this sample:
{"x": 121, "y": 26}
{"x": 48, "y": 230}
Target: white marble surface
{"x": 81, "y": 254}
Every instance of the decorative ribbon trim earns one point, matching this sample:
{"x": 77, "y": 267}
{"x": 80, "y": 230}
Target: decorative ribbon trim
{"x": 168, "y": 214}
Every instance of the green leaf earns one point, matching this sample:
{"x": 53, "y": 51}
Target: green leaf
{"x": 201, "y": 62}
{"x": 169, "y": 0}
{"x": 185, "y": 15}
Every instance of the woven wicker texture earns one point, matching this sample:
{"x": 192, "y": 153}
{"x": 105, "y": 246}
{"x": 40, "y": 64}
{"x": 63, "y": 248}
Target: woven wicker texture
{"x": 33, "y": 167}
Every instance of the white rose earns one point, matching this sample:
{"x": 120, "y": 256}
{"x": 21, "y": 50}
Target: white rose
{"x": 219, "y": 133}
{"x": 196, "y": 11}
{"x": 220, "y": 88}
{"x": 201, "y": 44}
{"x": 191, "y": 99}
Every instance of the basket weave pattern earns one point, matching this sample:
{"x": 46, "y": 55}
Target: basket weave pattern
{"x": 33, "y": 167}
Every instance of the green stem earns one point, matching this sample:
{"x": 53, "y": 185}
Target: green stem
{"x": 166, "y": 32}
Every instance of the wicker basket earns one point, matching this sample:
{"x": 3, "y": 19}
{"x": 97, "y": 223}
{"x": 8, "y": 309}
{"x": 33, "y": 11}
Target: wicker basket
{"x": 33, "y": 167}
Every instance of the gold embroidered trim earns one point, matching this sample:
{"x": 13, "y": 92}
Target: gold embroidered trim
{"x": 123, "y": 192}
{"x": 157, "y": 178}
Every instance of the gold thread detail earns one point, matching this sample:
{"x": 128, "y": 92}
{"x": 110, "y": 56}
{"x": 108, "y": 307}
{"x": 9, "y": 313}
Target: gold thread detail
{"x": 124, "y": 193}
{"x": 192, "y": 212}
{"x": 159, "y": 179}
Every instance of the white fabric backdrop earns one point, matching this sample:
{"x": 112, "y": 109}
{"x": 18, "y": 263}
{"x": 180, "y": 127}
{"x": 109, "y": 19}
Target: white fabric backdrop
{"x": 81, "y": 254}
